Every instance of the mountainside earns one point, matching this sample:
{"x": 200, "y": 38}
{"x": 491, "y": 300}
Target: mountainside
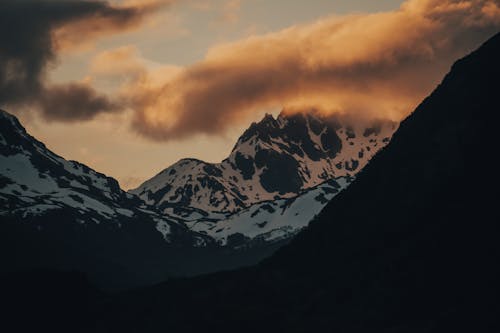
{"x": 279, "y": 175}
{"x": 410, "y": 246}
{"x": 268, "y": 221}
{"x": 322, "y": 152}
{"x": 35, "y": 182}
{"x": 273, "y": 159}
{"x": 62, "y": 214}
{"x": 56, "y": 213}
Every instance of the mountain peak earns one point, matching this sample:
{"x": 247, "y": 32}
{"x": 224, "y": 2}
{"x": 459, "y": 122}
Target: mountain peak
{"x": 267, "y": 118}
{"x": 261, "y": 130}
{"x": 6, "y": 114}
{"x": 9, "y": 120}
{"x": 28, "y": 170}
{"x": 274, "y": 158}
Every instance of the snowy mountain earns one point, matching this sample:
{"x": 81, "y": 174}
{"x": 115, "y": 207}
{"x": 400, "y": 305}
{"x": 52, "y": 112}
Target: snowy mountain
{"x": 36, "y": 183}
{"x": 62, "y": 214}
{"x": 279, "y": 175}
{"x": 34, "y": 180}
{"x": 192, "y": 218}
{"x": 273, "y": 159}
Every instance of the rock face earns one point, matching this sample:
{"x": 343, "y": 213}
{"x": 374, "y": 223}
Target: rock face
{"x": 273, "y": 159}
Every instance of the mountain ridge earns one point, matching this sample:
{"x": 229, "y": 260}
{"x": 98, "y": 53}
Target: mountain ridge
{"x": 63, "y": 214}
{"x": 272, "y": 159}
{"x": 273, "y": 163}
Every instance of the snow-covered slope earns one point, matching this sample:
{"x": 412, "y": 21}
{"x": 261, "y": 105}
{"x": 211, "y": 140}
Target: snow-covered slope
{"x": 35, "y": 182}
{"x": 273, "y": 159}
{"x": 272, "y": 220}
{"x": 279, "y": 175}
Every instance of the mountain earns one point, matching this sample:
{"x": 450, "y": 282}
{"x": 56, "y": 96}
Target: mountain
{"x": 322, "y": 152}
{"x": 192, "y": 218}
{"x": 35, "y": 182}
{"x": 279, "y": 175}
{"x": 59, "y": 213}
{"x": 62, "y": 214}
{"x": 273, "y": 159}
{"x": 410, "y": 246}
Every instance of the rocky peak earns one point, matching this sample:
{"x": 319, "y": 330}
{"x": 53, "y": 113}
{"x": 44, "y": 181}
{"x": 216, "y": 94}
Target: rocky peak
{"x": 274, "y": 158}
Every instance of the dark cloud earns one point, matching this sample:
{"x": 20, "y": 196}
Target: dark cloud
{"x": 73, "y": 102}
{"x": 31, "y": 34}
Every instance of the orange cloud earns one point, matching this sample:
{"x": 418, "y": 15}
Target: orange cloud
{"x": 120, "y": 62}
{"x": 381, "y": 64}
{"x": 136, "y": 73}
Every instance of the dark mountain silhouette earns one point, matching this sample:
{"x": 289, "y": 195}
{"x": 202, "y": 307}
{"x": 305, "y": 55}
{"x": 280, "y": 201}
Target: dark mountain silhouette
{"x": 420, "y": 256}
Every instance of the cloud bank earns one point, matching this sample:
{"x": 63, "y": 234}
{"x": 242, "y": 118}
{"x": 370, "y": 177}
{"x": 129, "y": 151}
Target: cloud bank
{"x": 378, "y": 64}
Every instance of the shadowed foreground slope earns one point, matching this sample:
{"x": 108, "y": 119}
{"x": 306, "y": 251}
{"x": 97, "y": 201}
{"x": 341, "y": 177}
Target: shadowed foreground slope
{"x": 421, "y": 255}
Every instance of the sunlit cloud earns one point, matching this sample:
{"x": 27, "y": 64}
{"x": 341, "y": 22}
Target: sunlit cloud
{"x": 123, "y": 62}
{"x": 379, "y": 64}
{"x": 134, "y": 72}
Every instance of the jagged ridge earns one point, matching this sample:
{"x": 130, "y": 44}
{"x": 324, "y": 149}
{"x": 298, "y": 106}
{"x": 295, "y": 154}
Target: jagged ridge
{"x": 273, "y": 159}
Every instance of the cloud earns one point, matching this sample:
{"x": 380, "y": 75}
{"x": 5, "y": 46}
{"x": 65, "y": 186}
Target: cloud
{"x": 126, "y": 65}
{"x": 124, "y": 62}
{"x": 381, "y": 64}
{"x": 33, "y": 32}
{"x": 378, "y": 64}
{"x": 74, "y": 102}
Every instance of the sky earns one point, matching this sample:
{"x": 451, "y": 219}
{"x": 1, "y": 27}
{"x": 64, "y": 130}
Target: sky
{"x": 130, "y": 87}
